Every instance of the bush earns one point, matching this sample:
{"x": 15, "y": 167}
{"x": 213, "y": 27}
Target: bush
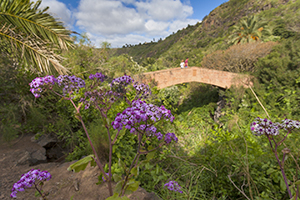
{"x": 238, "y": 58}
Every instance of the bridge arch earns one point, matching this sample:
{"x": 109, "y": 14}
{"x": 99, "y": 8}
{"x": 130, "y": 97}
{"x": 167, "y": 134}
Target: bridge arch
{"x": 174, "y": 76}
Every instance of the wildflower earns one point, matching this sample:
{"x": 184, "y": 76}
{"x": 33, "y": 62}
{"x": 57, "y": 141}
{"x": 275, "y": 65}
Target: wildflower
{"x": 173, "y": 186}
{"x": 97, "y": 76}
{"x": 70, "y": 83}
{"x": 121, "y": 81}
{"x": 33, "y": 177}
{"x": 39, "y": 83}
{"x": 169, "y": 137}
{"x": 264, "y": 126}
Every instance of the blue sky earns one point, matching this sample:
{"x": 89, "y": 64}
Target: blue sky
{"x": 122, "y": 22}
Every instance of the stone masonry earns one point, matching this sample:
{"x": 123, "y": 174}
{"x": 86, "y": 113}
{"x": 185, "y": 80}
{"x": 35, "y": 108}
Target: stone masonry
{"x": 173, "y": 76}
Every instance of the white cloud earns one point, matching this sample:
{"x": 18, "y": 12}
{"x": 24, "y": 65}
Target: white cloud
{"x": 108, "y": 17}
{"x": 119, "y": 40}
{"x": 124, "y": 21}
{"x": 59, "y": 10}
{"x": 164, "y": 10}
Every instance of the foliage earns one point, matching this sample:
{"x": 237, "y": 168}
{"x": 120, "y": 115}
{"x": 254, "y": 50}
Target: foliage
{"x": 238, "y": 58}
{"x": 33, "y": 35}
{"x": 86, "y": 58}
{"x": 138, "y": 119}
{"x": 248, "y": 30}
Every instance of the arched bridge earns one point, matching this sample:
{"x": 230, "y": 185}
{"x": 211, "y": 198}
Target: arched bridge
{"x": 173, "y": 76}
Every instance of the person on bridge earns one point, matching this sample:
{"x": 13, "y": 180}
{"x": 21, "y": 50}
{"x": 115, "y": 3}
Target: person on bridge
{"x": 182, "y": 64}
{"x": 186, "y": 64}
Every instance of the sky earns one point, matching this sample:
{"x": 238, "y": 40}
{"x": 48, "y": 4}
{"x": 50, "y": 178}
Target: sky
{"x": 121, "y": 22}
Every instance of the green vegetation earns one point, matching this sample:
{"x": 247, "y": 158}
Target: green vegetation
{"x": 216, "y": 157}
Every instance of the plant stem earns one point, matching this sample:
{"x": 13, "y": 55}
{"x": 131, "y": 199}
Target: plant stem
{"x": 280, "y": 165}
{"x": 40, "y": 192}
{"x": 97, "y": 157}
{"x": 93, "y": 148}
{"x": 132, "y": 163}
{"x": 109, "y": 157}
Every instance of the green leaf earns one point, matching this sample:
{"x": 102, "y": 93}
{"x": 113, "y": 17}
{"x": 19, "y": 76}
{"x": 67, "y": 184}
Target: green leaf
{"x": 122, "y": 165}
{"x": 135, "y": 171}
{"x": 297, "y": 182}
{"x": 118, "y": 186}
{"x": 282, "y": 185}
{"x": 151, "y": 155}
{"x": 270, "y": 171}
{"x": 81, "y": 164}
{"x": 117, "y": 177}
{"x": 133, "y": 185}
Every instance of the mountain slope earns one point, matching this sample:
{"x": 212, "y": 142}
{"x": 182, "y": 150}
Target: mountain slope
{"x": 212, "y": 33}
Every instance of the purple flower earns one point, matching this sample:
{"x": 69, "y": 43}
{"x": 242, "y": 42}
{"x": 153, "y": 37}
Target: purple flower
{"x": 37, "y": 84}
{"x": 142, "y": 90}
{"x": 98, "y": 76}
{"x": 169, "y": 137}
{"x": 264, "y": 126}
{"x": 33, "y": 177}
{"x": 140, "y": 114}
{"x": 103, "y": 177}
{"x": 159, "y": 136}
{"x": 70, "y": 83}
{"x": 173, "y": 186}
{"x": 122, "y": 81}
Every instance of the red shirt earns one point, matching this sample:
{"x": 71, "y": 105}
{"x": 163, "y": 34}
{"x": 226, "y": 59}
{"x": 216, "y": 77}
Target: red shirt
{"x": 186, "y": 62}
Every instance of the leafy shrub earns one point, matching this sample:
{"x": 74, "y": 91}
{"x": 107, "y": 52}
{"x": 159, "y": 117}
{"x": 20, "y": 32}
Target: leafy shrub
{"x": 238, "y": 58}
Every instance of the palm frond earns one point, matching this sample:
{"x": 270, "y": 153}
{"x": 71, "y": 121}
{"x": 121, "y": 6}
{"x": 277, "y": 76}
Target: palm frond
{"x": 33, "y": 51}
{"x": 31, "y": 20}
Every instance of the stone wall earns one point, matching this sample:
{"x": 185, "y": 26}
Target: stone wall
{"x": 169, "y": 77}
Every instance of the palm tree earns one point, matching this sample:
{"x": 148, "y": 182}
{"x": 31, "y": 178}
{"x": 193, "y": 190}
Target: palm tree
{"x": 248, "y": 30}
{"x": 33, "y": 35}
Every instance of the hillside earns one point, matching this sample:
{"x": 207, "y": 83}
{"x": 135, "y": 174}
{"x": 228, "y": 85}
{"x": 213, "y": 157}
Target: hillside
{"x": 154, "y": 49}
{"x": 212, "y": 34}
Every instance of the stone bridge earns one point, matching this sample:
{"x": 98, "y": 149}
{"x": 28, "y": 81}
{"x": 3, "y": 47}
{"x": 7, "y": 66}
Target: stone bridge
{"x": 173, "y": 76}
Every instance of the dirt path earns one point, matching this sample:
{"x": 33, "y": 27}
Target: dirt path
{"x": 64, "y": 185}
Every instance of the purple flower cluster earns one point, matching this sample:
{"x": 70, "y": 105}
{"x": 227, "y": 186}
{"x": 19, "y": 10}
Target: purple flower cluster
{"x": 70, "y": 83}
{"x": 121, "y": 81}
{"x": 289, "y": 124}
{"x": 141, "y": 117}
{"x": 169, "y": 137}
{"x": 173, "y": 186}
{"x": 39, "y": 83}
{"x": 97, "y": 76}
{"x": 264, "y": 126}
{"x": 99, "y": 97}
{"x": 142, "y": 90}
{"x": 33, "y": 177}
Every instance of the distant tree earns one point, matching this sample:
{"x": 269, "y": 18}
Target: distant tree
{"x": 248, "y": 30}
{"x": 33, "y": 35}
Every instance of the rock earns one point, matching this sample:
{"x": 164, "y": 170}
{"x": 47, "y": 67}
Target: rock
{"x": 25, "y": 159}
{"x": 218, "y": 113}
{"x": 46, "y": 140}
{"x": 33, "y": 158}
{"x": 38, "y": 156}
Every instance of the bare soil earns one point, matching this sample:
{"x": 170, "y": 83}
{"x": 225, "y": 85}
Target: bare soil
{"x": 64, "y": 184}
